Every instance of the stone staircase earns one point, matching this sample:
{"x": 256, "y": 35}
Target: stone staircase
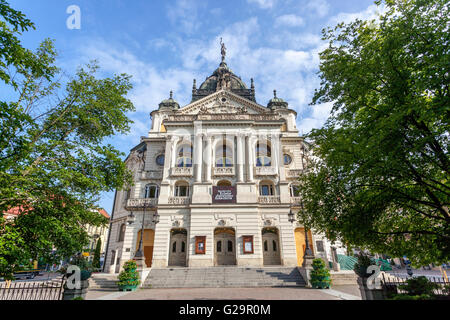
{"x": 224, "y": 277}
{"x": 103, "y": 281}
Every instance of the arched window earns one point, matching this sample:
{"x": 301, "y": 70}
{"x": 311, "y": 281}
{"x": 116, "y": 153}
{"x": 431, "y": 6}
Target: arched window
{"x": 183, "y": 246}
{"x": 224, "y": 156}
{"x": 263, "y": 155}
{"x": 122, "y": 232}
{"x": 230, "y": 246}
{"x": 181, "y": 189}
{"x": 174, "y": 247}
{"x": 224, "y": 183}
{"x": 219, "y": 246}
{"x": 265, "y": 246}
{"x": 184, "y": 158}
{"x": 151, "y": 191}
{"x": 266, "y": 189}
{"x": 295, "y": 190}
{"x": 274, "y": 243}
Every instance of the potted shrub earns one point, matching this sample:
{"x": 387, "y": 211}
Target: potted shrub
{"x": 129, "y": 277}
{"x": 320, "y": 275}
{"x": 360, "y": 269}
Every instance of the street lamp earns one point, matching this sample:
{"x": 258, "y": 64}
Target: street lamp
{"x": 140, "y": 253}
{"x": 308, "y": 251}
{"x": 291, "y": 218}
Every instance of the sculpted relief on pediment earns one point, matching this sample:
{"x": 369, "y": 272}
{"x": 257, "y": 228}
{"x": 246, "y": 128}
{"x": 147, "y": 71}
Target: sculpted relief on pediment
{"x": 222, "y": 103}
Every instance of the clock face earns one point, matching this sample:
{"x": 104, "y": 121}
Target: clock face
{"x": 160, "y": 160}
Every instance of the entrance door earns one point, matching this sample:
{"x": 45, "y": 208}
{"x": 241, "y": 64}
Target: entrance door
{"x": 225, "y": 248}
{"x": 300, "y": 244}
{"x": 177, "y": 253}
{"x": 147, "y": 245}
{"x": 271, "y": 249}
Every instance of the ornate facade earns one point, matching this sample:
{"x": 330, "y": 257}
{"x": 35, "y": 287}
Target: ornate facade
{"x": 221, "y": 174}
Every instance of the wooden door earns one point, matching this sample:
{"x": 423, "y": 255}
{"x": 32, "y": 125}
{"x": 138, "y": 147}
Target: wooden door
{"x": 148, "y": 253}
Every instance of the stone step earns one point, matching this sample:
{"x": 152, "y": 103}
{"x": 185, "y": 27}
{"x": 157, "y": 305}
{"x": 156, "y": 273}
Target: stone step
{"x": 224, "y": 277}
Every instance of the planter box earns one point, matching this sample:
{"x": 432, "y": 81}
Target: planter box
{"x": 127, "y": 288}
{"x": 369, "y": 294}
{"x": 70, "y": 294}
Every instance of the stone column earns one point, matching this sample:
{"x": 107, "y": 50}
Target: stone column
{"x": 198, "y": 160}
{"x": 250, "y": 158}
{"x": 240, "y": 157}
{"x": 208, "y": 156}
{"x": 275, "y": 151}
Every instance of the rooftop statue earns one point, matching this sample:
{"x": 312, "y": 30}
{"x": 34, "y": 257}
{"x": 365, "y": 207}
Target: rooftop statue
{"x": 223, "y": 50}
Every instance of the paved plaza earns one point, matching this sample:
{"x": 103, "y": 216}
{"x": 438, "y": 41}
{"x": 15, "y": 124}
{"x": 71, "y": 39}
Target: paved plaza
{"x": 336, "y": 293}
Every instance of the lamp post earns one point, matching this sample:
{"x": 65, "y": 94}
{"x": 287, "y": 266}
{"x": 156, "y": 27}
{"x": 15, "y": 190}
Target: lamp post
{"x": 308, "y": 251}
{"x": 139, "y": 256}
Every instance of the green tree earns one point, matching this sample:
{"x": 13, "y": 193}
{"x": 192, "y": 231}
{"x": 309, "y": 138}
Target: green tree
{"x": 379, "y": 175}
{"x": 54, "y": 163}
{"x": 96, "y": 260}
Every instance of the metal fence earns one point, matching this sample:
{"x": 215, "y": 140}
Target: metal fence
{"x": 391, "y": 285}
{"x": 32, "y": 290}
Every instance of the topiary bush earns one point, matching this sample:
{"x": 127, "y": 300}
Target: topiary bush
{"x": 320, "y": 275}
{"x": 129, "y": 277}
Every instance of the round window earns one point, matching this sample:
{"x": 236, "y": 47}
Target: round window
{"x": 160, "y": 160}
{"x": 287, "y": 159}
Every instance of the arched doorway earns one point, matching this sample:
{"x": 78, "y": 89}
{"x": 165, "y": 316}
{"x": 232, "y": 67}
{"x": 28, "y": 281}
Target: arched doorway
{"x": 271, "y": 247}
{"x": 178, "y": 247}
{"x": 300, "y": 244}
{"x": 147, "y": 245}
{"x": 224, "y": 247}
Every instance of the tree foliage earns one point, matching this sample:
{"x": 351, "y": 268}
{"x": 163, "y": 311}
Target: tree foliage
{"x": 380, "y": 176}
{"x": 54, "y": 163}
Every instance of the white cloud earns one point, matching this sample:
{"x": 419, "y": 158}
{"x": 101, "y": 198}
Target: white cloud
{"x": 320, "y": 7}
{"x": 370, "y": 13}
{"x": 290, "y": 20}
{"x": 184, "y": 13}
{"x": 263, "y": 4}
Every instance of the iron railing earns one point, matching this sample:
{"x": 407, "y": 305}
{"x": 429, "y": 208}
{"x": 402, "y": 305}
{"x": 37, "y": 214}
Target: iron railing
{"x": 32, "y": 290}
{"x": 391, "y": 284}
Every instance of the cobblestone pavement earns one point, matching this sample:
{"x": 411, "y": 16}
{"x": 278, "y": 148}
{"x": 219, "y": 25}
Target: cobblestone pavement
{"x": 336, "y": 293}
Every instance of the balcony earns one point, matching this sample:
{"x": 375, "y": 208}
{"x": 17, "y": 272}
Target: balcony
{"x": 224, "y": 171}
{"x": 152, "y": 174}
{"x": 179, "y": 200}
{"x": 182, "y": 172}
{"x": 294, "y": 173}
{"x": 139, "y": 204}
{"x": 266, "y": 171}
{"x": 296, "y": 200}
{"x": 269, "y": 199}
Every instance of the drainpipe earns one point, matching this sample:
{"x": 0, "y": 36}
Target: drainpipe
{"x": 109, "y": 232}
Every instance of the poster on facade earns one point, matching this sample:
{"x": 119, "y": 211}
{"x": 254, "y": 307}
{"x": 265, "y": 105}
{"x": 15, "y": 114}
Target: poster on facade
{"x": 224, "y": 194}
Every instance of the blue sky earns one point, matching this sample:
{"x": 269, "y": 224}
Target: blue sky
{"x": 164, "y": 45}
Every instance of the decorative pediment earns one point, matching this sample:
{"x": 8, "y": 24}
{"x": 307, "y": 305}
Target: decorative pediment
{"x": 223, "y": 102}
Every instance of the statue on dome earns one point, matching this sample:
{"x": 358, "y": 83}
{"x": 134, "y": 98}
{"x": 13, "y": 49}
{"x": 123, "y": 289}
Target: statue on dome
{"x": 223, "y": 50}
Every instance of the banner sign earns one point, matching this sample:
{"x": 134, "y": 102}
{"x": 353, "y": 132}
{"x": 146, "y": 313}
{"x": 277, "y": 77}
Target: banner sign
{"x": 224, "y": 195}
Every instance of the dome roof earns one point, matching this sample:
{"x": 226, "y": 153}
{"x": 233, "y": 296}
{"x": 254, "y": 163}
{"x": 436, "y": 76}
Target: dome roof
{"x": 277, "y": 103}
{"x": 169, "y": 103}
{"x": 223, "y": 72}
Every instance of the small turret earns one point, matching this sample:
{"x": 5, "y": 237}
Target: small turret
{"x": 169, "y": 104}
{"x": 277, "y": 103}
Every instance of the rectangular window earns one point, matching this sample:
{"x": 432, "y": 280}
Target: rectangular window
{"x": 319, "y": 245}
{"x": 200, "y": 244}
{"x": 248, "y": 244}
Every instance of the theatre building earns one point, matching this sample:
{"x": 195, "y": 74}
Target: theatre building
{"x": 214, "y": 182}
